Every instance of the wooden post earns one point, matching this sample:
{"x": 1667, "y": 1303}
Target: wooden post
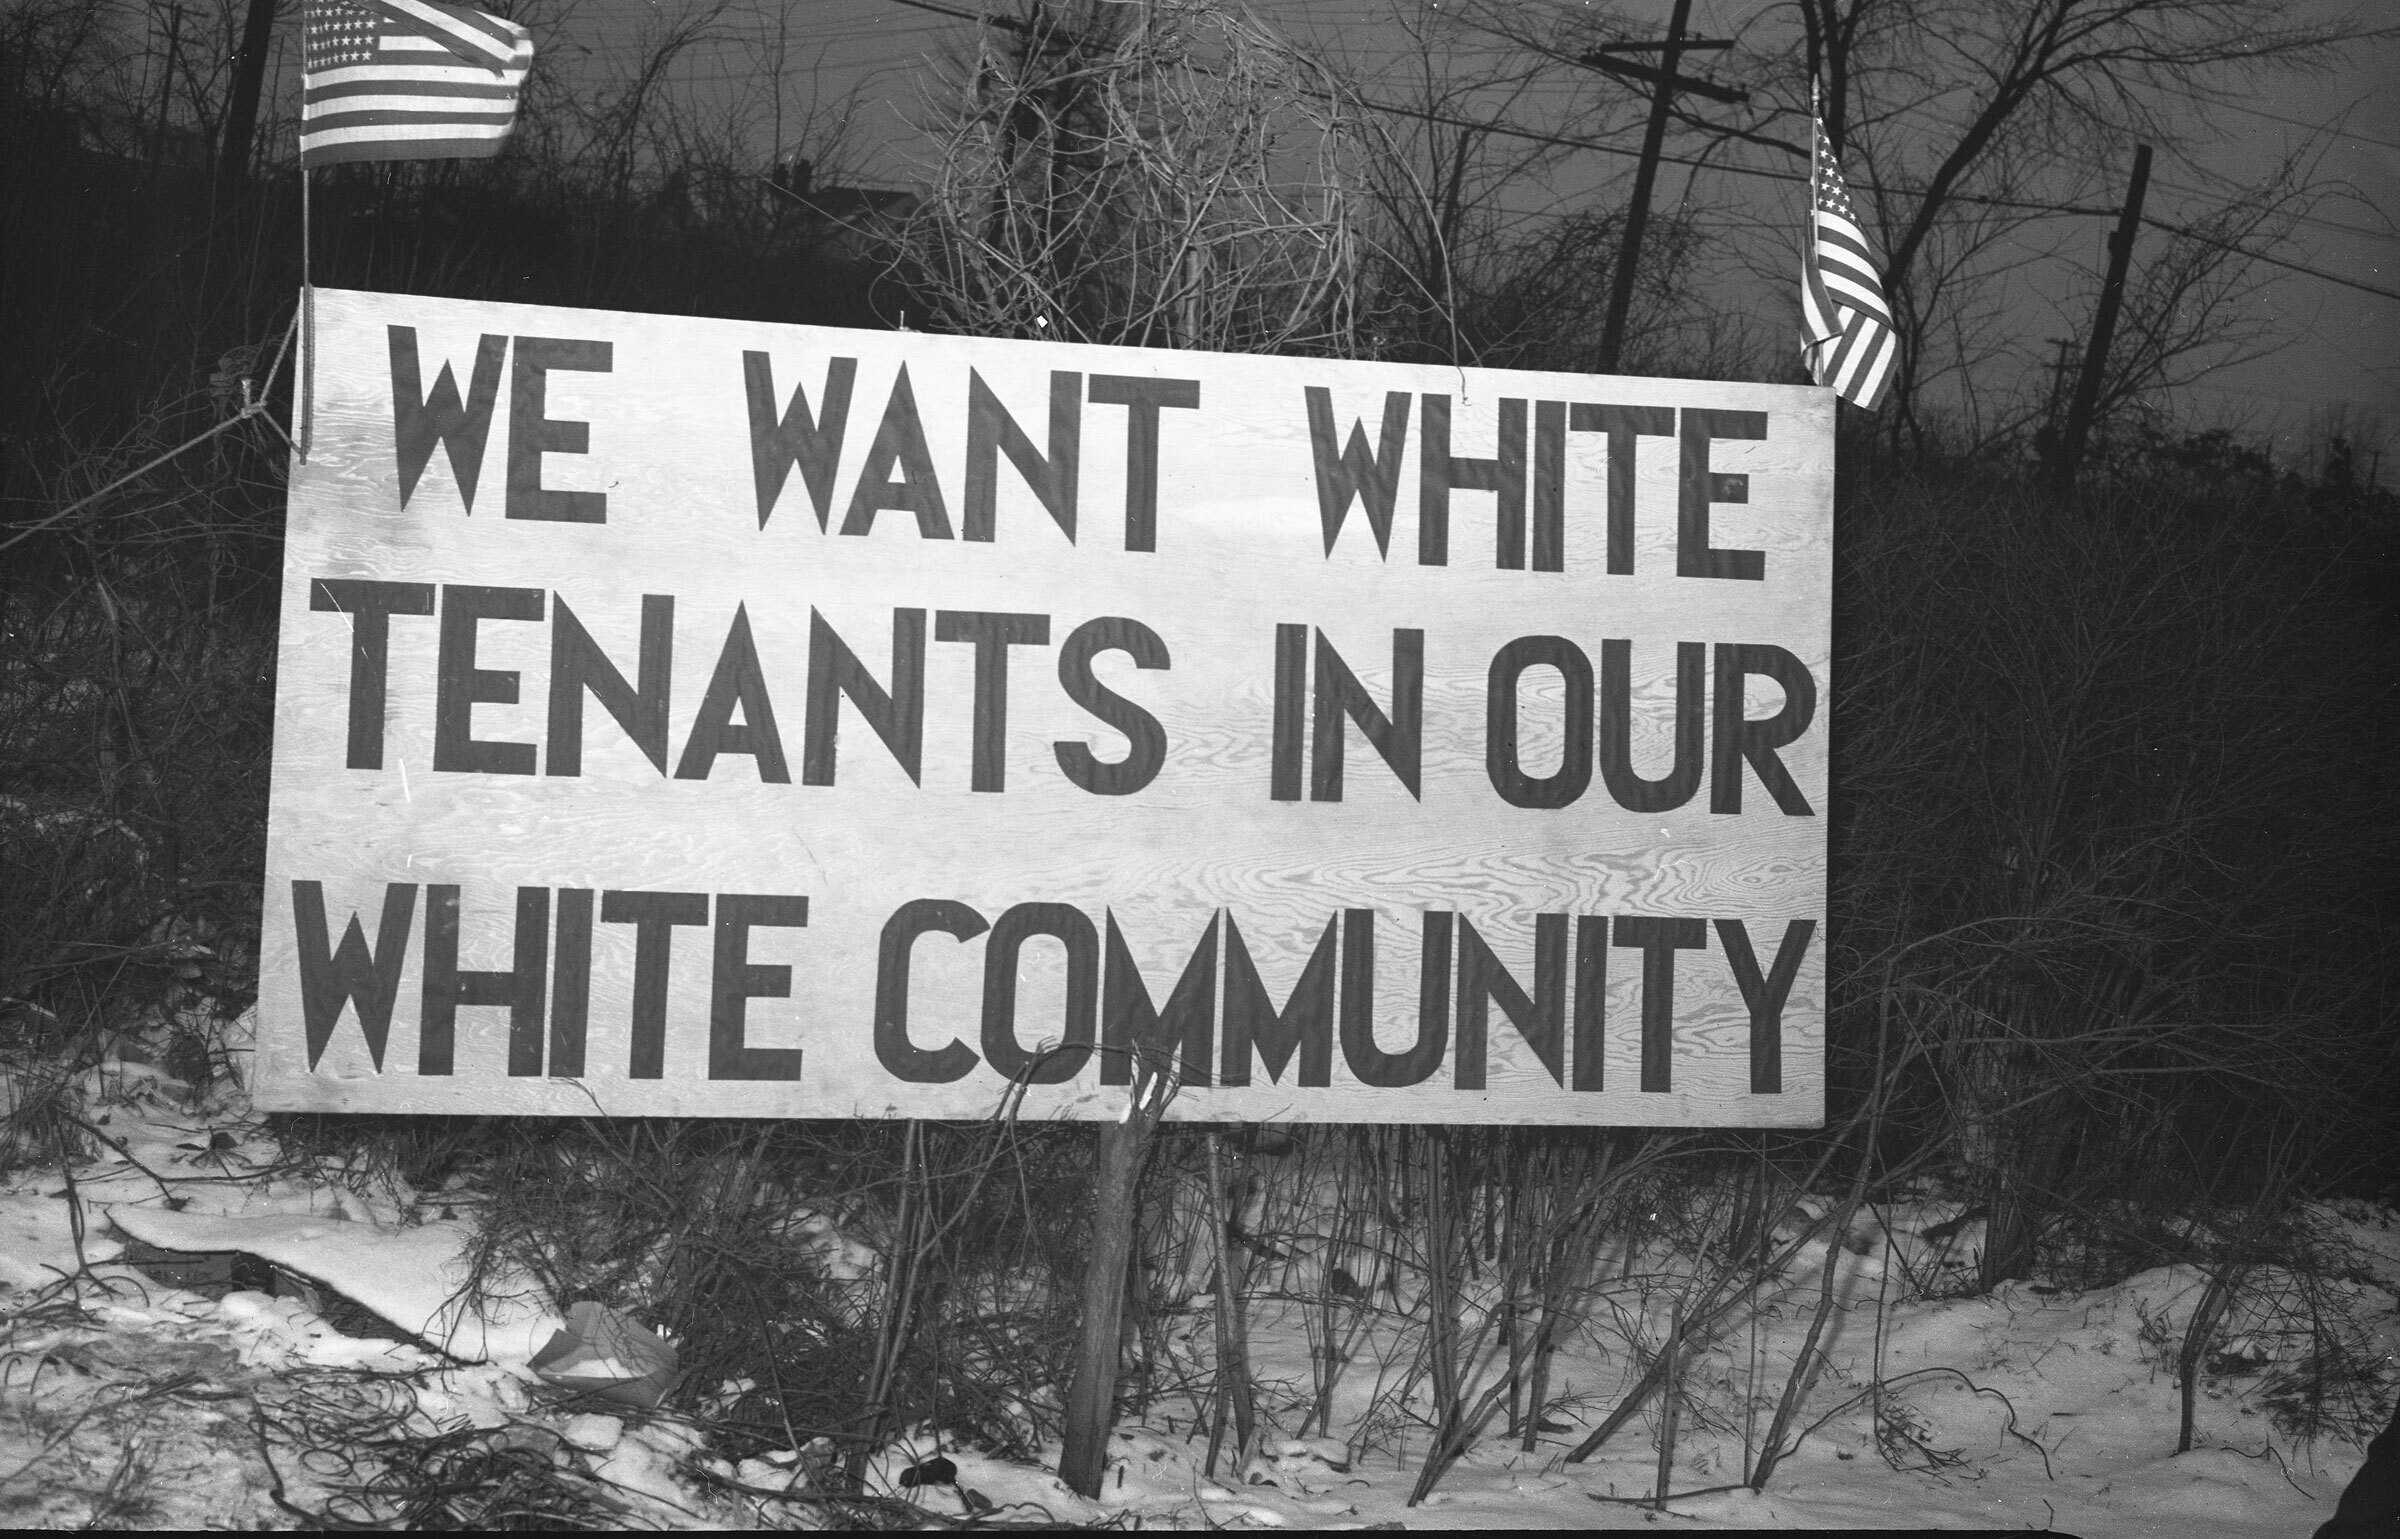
{"x": 1668, "y": 1411}
{"x": 1092, "y": 1394}
{"x": 1233, "y": 1347}
{"x": 1637, "y": 213}
{"x": 2104, "y": 325}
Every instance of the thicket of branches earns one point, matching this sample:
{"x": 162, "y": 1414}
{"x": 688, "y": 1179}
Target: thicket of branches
{"x": 2113, "y": 931}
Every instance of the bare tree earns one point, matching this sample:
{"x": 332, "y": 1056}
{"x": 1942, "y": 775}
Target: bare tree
{"x": 1488, "y": 246}
{"x": 1182, "y": 177}
{"x": 1444, "y": 180}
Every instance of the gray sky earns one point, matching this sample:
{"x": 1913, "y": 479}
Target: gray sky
{"x": 2340, "y": 354}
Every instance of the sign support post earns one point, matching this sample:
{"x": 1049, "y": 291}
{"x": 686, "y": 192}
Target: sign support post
{"x": 1116, "y": 1198}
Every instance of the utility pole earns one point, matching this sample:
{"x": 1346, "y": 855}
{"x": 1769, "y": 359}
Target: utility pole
{"x": 1664, "y": 84}
{"x": 2104, "y": 325}
{"x": 2062, "y": 366}
{"x": 241, "y": 112}
{"x": 2052, "y": 435}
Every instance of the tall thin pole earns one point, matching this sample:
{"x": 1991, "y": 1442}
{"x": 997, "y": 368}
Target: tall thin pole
{"x": 1637, "y": 215}
{"x": 306, "y": 368}
{"x": 2104, "y": 325}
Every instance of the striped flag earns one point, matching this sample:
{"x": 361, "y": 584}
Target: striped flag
{"x": 407, "y": 80}
{"x": 1848, "y": 335}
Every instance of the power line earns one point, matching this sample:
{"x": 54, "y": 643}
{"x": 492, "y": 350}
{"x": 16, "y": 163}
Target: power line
{"x": 1563, "y": 141}
{"x": 2319, "y": 220}
{"x": 2272, "y": 261}
{"x": 1784, "y": 176}
{"x": 2278, "y": 117}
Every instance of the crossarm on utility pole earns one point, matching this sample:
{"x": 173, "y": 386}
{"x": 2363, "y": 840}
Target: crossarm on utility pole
{"x": 1637, "y": 213}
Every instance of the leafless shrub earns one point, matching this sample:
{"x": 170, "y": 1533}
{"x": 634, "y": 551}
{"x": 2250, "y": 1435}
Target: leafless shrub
{"x": 1181, "y": 180}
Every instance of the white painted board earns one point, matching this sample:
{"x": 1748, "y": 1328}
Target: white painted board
{"x": 698, "y": 717}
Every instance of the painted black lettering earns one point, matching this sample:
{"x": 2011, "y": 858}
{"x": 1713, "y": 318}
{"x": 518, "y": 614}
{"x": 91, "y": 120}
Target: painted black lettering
{"x": 1630, "y": 790}
{"x": 991, "y": 633}
{"x": 1735, "y": 740}
{"x": 653, "y": 916}
{"x": 1439, "y": 473}
{"x": 991, "y": 431}
{"x": 1146, "y": 753}
{"x": 1304, "y": 1025}
{"x": 1174, "y": 1039}
{"x": 1286, "y": 766}
{"x": 1502, "y": 702}
{"x": 1765, "y": 994}
{"x": 570, "y": 982}
{"x": 735, "y": 980}
{"x": 1146, "y": 398}
{"x": 1371, "y": 477}
{"x": 577, "y": 664}
{"x": 1398, "y": 737}
{"x": 1658, "y": 940}
{"x": 352, "y": 973}
{"x": 899, "y": 446}
{"x": 459, "y": 686}
{"x": 1591, "y": 1002}
{"x": 897, "y": 714}
{"x": 1549, "y": 496}
{"x": 900, "y": 1057}
{"x": 532, "y": 435}
{"x": 1061, "y": 1058}
{"x": 1701, "y": 486}
{"x": 1539, "y": 1017}
{"x": 799, "y": 436}
{"x": 419, "y": 421}
{"x": 1624, "y": 425}
{"x": 370, "y": 606}
{"x": 1369, "y": 1063}
{"x": 523, "y": 987}
{"x": 740, "y": 682}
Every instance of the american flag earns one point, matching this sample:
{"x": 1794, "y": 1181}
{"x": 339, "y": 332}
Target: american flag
{"x": 1849, "y": 339}
{"x": 407, "y": 80}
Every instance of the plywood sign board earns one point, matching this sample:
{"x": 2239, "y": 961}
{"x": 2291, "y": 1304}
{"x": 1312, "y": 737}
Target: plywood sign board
{"x": 697, "y": 717}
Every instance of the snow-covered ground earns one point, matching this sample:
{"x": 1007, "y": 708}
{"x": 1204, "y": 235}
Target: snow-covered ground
{"x": 126, "y": 1401}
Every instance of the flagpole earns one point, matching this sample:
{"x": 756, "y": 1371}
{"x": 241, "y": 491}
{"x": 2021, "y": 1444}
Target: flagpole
{"x": 457, "y": 75}
{"x": 308, "y": 325}
{"x": 1808, "y": 218}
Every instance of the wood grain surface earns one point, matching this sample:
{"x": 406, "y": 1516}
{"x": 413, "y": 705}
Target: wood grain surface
{"x": 667, "y": 441}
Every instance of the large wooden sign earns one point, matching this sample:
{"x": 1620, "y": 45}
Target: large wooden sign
{"x": 694, "y": 717}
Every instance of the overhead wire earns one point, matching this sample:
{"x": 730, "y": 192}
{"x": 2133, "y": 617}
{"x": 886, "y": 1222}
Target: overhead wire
{"x": 1574, "y": 142}
{"x": 2206, "y": 239}
{"x": 2278, "y": 117}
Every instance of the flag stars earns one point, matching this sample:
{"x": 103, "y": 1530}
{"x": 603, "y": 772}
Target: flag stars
{"x": 339, "y": 35}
